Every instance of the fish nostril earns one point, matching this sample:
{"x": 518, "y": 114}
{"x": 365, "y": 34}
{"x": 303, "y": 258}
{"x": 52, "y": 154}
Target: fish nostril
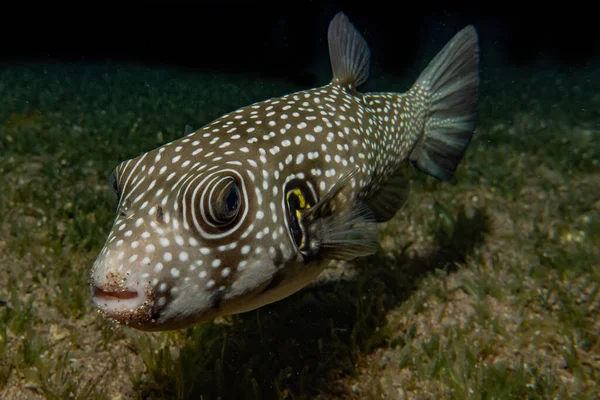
{"x": 159, "y": 215}
{"x": 106, "y": 295}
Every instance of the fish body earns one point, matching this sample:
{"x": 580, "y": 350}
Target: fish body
{"x": 250, "y": 208}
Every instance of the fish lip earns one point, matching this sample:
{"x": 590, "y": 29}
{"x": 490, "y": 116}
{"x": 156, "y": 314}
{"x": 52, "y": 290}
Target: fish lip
{"x": 127, "y": 306}
{"x": 99, "y": 293}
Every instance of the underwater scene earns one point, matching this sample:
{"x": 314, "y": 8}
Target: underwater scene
{"x": 322, "y": 202}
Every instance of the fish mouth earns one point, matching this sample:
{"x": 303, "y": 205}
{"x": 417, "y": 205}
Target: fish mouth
{"x": 110, "y": 296}
{"x": 122, "y": 305}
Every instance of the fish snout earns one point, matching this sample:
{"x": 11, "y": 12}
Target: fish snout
{"x": 123, "y": 298}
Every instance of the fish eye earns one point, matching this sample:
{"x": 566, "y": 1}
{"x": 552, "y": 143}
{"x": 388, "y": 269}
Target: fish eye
{"x": 114, "y": 184}
{"x": 224, "y": 202}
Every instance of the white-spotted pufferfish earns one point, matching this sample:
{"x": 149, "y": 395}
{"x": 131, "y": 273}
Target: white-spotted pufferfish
{"x": 250, "y": 208}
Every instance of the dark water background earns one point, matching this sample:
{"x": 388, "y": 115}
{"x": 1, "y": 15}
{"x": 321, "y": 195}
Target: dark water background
{"x": 288, "y": 39}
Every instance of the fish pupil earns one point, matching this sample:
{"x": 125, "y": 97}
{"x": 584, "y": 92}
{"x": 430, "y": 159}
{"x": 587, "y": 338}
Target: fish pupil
{"x": 232, "y": 201}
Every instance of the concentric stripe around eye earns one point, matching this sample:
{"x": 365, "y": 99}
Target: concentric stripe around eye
{"x": 131, "y": 173}
{"x": 198, "y": 205}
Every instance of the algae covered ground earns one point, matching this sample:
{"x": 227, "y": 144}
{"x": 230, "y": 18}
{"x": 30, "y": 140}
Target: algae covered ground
{"x": 487, "y": 286}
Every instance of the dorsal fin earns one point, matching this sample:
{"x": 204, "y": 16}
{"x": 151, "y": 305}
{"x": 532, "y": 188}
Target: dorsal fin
{"x": 349, "y": 53}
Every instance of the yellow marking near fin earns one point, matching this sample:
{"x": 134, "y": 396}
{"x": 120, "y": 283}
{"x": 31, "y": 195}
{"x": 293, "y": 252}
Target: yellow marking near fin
{"x": 302, "y": 204}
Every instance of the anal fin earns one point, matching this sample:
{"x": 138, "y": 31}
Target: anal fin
{"x": 390, "y": 196}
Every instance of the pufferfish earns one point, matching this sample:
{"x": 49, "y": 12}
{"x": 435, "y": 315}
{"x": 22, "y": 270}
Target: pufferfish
{"x": 252, "y": 207}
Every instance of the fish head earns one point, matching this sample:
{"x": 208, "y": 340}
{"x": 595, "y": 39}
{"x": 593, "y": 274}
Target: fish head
{"x": 191, "y": 240}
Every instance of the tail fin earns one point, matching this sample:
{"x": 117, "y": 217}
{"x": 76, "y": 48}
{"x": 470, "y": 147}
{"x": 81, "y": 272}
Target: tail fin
{"x": 451, "y": 83}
